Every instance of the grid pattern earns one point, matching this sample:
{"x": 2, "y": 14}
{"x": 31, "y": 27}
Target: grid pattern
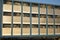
{"x": 1, "y": 11}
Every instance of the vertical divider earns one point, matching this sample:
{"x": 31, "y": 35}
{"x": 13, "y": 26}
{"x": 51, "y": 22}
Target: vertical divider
{"x": 38, "y": 19}
{"x": 12, "y": 18}
{"x": 54, "y": 19}
{"x": 30, "y": 19}
{"x": 1, "y": 16}
{"x": 46, "y": 20}
{"x": 21, "y": 17}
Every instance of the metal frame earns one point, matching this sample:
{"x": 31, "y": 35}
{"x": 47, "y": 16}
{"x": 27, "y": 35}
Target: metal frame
{"x": 46, "y": 20}
{"x": 22, "y": 18}
{"x": 54, "y": 18}
{"x": 30, "y": 19}
{"x": 12, "y": 18}
{"x": 38, "y": 19}
{"x": 1, "y": 14}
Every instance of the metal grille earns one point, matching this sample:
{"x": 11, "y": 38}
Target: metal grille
{"x": 39, "y": 23}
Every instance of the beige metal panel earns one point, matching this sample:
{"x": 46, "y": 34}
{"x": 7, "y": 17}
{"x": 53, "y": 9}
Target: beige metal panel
{"x": 6, "y": 19}
{"x": 16, "y": 31}
{"x": 16, "y": 19}
{"x": 50, "y": 31}
{"x": 17, "y": 8}
{"x": 26, "y": 9}
{"x": 50, "y": 11}
{"x": 34, "y": 9}
{"x": 57, "y": 11}
{"x": 57, "y": 20}
{"x": 6, "y": 31}
{"x": 42, "y": 10}
{"x": 50, "y": 20}
{"x": 34, "y": 31}
{"x": 57, "y": 31}
{"x": 34, "y": 20}
{"x": 7, "y": 7}
{"x": 26, "y": 31}
{"x": 42, "y": 20}
{"x": 43, "y": 31}
{"x": 27, "y": 19}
